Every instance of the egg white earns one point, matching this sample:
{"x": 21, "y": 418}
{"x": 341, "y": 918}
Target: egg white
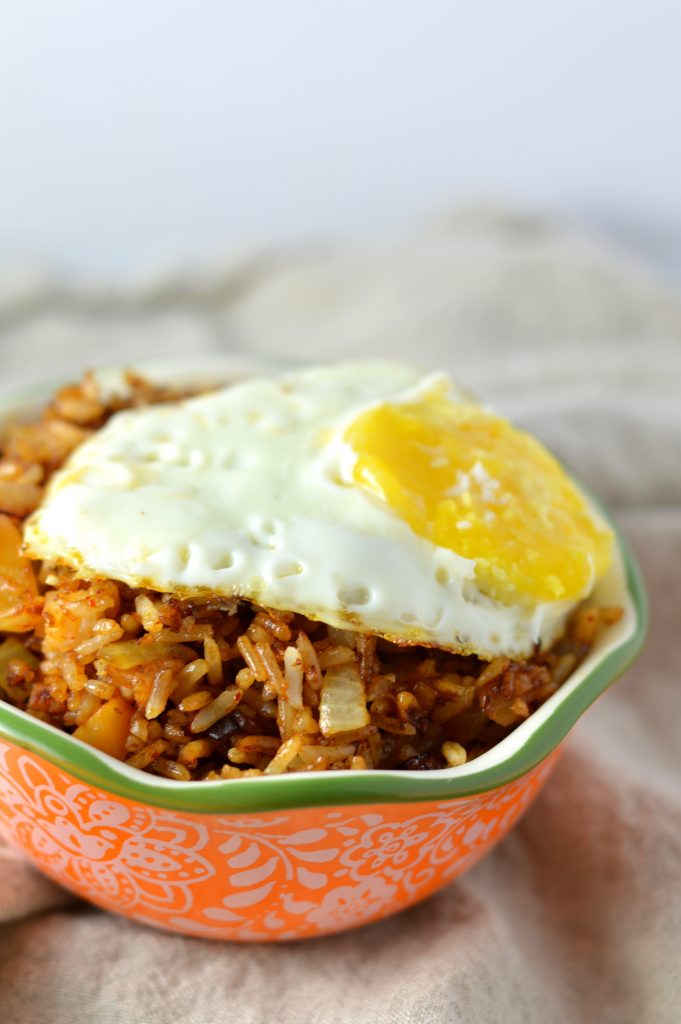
{"x": 247, "y": 491}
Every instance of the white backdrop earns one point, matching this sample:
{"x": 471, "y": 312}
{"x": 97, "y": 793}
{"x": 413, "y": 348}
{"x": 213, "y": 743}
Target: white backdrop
{"x": 151, "y": 131}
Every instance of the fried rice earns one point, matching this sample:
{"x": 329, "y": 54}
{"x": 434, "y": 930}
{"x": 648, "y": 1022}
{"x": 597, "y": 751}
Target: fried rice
{"x": 217, "y": 688}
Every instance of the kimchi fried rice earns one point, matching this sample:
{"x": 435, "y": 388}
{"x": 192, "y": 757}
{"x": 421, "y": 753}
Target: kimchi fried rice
{"x": 219, "y": 688}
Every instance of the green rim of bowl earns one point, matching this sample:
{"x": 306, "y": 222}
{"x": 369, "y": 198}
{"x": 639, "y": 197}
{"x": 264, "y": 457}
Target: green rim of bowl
{"x": 542, "y": 734}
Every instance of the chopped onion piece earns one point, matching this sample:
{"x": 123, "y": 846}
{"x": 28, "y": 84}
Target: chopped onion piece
{"x": 127, "y": 654}
{"x": 342, "y": 706}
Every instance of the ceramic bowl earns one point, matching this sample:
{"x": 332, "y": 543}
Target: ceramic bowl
{"x": 290, "y": 856}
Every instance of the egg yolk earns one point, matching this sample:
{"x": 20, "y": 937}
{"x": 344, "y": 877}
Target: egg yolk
{"x": 465, "y": 479}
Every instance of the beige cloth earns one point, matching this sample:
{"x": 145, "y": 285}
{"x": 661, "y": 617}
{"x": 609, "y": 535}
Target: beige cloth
{"x": 577, "y": 915}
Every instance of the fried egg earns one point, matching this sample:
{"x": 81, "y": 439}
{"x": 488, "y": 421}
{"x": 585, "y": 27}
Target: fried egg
{"x": 366, "y": 495}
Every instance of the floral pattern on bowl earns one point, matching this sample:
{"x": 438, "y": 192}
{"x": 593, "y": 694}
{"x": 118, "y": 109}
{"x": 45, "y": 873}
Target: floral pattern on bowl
{"x": 287, "y": 875}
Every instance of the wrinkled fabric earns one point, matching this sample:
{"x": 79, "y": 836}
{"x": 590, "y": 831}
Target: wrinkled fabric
{"x": 576, "y": 916}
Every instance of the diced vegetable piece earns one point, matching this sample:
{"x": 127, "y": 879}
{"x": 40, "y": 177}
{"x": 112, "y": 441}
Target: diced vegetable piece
{"x": 129, "y": 653}
{"x": 108, "y": 728}
{"x": 343, "y": 702}
{"x": 19, "y": 602}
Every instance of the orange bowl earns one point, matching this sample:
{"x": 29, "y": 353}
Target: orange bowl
{"x": 291, "y": 874}
{"x": 289, "y": 856}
